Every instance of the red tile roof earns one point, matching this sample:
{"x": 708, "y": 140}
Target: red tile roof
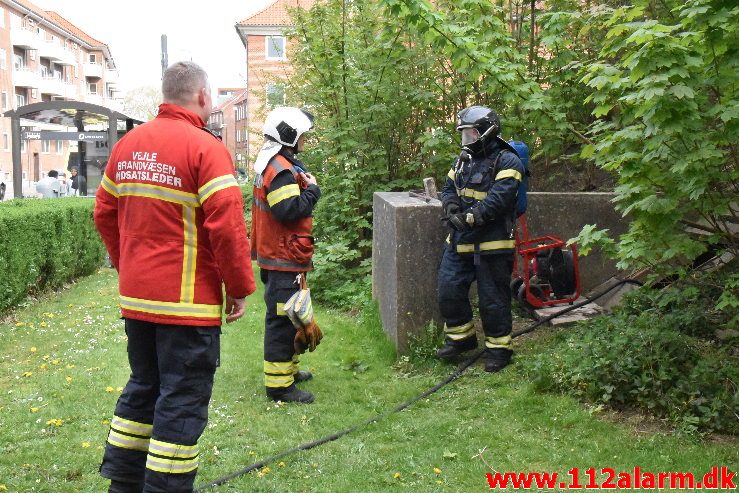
{"x": 60, "y": 21}
{"x": 231, "y": 100}
{"x": 65, "y": 24}
{"x": 276, "y": 14}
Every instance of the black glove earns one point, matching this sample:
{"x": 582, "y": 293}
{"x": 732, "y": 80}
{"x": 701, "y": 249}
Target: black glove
{"x": 452, "y": 206}
{"x": 458, "y": 222}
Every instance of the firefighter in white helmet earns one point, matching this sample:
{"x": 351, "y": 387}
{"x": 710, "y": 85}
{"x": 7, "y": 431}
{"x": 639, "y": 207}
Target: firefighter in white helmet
{"x": 285, "y": 194}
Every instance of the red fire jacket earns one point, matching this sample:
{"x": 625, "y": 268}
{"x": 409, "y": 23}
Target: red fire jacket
{"x": 280, "y": 243}
{"x": 169, "y": 211}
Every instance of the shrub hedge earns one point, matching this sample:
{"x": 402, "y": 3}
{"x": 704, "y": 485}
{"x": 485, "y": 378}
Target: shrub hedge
{"x": 44, "y": 244}
{"x": 669, "y": 352}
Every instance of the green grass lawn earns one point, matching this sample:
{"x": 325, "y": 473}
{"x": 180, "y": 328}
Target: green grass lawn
{"x": 62, "y": 366}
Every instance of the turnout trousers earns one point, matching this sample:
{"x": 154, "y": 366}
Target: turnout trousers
{"x": 280, "y": 359}
{"x": 493, "y": 276}
{"x": 163, "y": 409}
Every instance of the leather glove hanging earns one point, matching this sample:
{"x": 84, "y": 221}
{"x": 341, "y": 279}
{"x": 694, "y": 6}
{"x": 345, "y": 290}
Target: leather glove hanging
{"x": 299, "y": 310}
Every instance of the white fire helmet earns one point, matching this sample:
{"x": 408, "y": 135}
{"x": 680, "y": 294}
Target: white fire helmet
{"x": 286, "y": 124}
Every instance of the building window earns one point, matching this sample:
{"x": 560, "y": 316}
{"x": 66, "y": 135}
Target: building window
{"x": 19, "y": 59}
{"x": 238, "y": 135}
{"x": 92, "y": 88}
{"x": 45, "y": 146}
{"x": 275, "y": 95}
{"x": 6, "y": 142}
{"x": 3, "y": 59}
{"x": 23, "y": 149}
{"x": 75, "y": 71}
{"x": 20, "y": 100}
{"x": 275, "y": 49}
{"x": 59, "y": 146}
{"x": 93, "y": 58}
{"x": 2, "y": 17}
{"x": 5, "y": 100}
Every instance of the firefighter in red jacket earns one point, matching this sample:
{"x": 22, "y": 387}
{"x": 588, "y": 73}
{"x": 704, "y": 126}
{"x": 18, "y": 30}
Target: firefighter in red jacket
{"x": 170, "y": 213}
{"x": 282, "y": 242}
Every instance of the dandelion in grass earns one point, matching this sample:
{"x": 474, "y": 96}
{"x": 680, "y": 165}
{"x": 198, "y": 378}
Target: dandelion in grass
{"x": 109, "y": 389}
{"x": 85, "y": 444}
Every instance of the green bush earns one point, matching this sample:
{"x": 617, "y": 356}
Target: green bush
{"x": 44, "y": 244}
{"x": 657, "y": 353}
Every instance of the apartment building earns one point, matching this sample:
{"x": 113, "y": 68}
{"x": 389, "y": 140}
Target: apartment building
{"x": 267, "y": 63}
{"x": 44, "y": 57}
{"x": 228, "y": 121}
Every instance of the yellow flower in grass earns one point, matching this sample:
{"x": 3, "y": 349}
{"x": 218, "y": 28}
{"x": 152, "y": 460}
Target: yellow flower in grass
{"x": 396, "y": 475}
{"x": 85, "y": 444}
{"x": 109, "y": 389}
{"x": 33, "y": 349}
{"x": 55, "y": 422}
{"x": 437, "y": 470}
{"x": 34, "y": 409}
{"x": 27, "y": 373}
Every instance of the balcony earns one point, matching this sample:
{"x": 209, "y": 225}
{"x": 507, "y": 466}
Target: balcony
{"x": 56, "y": 53}
{"x": 25, "y": 77}
{"x": 94, "y": 99}
{"x": 71, "y": 91}
{"x": 25, "y": 38}
{"x": 92, "y": 70}
{"x": 111, "y": 76}
{"x": 53, "y": 86}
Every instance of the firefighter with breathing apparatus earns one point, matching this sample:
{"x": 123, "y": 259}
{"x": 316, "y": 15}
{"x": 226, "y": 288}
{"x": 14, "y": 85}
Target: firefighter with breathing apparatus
{"x": 479, "y": 200}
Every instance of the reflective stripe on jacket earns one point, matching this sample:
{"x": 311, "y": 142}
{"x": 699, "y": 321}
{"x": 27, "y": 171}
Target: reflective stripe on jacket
{"x": 169, "y": 211}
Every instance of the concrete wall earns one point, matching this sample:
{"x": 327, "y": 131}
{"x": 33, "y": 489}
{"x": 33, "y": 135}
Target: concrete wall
{"x": 406, "y": 249}
{"x": 409, "y": 238}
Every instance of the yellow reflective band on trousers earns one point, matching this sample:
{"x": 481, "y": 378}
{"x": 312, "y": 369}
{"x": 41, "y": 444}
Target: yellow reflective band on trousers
{"x": 173, "y": 309}
{"x": 280, "y": 309}
{"x": 451, "y": 174}
{"x": 190, "y": 254}
{"x": 282, "y": 193}
{"x": 508, "y": 173}
{"x": 487, "y": 246}
{"x": 503, "y": 342}
{"x": 215, "y": 185}
{"x": 128, "y": 434}
{"x": 172, "y": 458}
{"x": 279, "y": 373}
{"x": 173, "y": 450}
{"x": 459, "y": 332}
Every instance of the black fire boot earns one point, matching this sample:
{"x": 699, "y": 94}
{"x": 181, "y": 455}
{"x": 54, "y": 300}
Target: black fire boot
{"x": 302, "y": 376}
{"x": 123, "y": 487}
{"x": 290, "y": 394}
{"x": 497, "y": 358}
{"x": 452, "y": 349}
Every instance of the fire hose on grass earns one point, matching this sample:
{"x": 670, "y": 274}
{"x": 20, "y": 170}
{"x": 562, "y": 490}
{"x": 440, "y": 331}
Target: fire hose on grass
{"x": 378, "y": 417}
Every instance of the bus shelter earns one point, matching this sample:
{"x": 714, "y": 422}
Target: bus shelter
{"x": 96, "y": 130}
